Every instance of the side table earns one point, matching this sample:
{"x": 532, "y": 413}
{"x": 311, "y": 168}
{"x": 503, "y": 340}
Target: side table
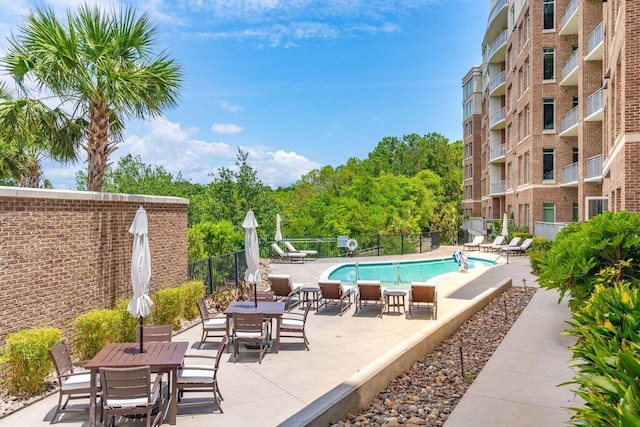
{"x": 395, "y": 299}
{"x": 310, "y": 295}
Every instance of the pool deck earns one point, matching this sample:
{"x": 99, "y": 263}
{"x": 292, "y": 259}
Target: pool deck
{"x": 517, "y": 387}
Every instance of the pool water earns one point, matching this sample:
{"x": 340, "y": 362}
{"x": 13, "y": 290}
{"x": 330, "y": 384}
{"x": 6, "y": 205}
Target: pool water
{"x": 401, "y": 273}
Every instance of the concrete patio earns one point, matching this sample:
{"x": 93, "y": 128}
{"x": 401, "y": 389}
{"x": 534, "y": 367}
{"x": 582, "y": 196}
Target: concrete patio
{"x": 518, "y": 385}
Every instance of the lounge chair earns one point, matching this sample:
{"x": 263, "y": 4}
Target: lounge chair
{"x": 369, "y": 291}
{"x": 310, "y": 253}
{"x": 129, "y": 391}
{"x": 212, "y": 327}
{"x": 499, "y": 240}
{"x": 201, "y": 378}
{"x": 518, "y": 250}
{"x": 332, "y": 291}
{"x": 292, "y": 325}
{"x": 475, "y": 244}
{"x": 422, "y": 293}
{"x": 72, "y": 384}
{"x": 287, "y": 256}
{"x": 512, "y": 244}
{"x": 283, "y": 288}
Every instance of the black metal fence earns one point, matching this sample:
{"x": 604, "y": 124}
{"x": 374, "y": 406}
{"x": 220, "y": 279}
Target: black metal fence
{"x": 228, "y": 269}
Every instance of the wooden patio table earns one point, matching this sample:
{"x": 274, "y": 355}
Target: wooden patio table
{"x": 270, "y": 310}
{"x": 160, "y": 356}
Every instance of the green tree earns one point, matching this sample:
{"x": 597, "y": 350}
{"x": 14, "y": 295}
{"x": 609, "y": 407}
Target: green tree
{"x": 102, "y": 66}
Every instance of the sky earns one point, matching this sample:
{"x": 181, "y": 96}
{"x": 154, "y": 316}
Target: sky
{"x": 297, "y": 84}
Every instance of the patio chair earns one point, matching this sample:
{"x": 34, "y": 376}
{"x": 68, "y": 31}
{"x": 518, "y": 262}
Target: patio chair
{"x": 513, "y": 243}
{"x": 499, "y": 240}
{"x": 333, "y": 292}
{"x": 201, "y": 378}
{"x": 72, "y": 384}
{"x": 520, "y": 249}
{"x": 212, "y": 327}
{"x": 249, "y": 328}
{"x": 283, "y": 288}
{"x": 369, "y": 291}
{"x": 310, "y": 253}
{"x": 292, "y": 325}
{"x": 422, "y": 293}
{"x": 287, "y": 256}
{"x": 475, "y": 244}
{"x": 129, "y": 391}
{"x": 155, "y": 333}
{"x": 264, "y": 296}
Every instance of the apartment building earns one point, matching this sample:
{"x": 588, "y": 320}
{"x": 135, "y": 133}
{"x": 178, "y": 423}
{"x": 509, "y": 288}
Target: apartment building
{"x": 554, "y": 111}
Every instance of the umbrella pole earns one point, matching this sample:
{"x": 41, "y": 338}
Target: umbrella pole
{"x": 255, "y": 293}
{"x": 141, "y": 334}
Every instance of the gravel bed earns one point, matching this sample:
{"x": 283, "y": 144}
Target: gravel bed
{"x": 426, "y": 394}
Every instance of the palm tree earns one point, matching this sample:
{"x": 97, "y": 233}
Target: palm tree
{"x": 103, "y": 69}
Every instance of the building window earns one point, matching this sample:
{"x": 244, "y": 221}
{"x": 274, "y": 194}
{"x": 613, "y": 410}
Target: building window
{"x": 575, "y": 155}
{"x": 510, "y": 98}
{"x": 549, "y": 212}
{"x": 548, "y": 159}
{"x": 575, "y": 212}
{"x": 526, "y": 73}
{"x": 523, "y": 169}
{"x": 526, "y": 121}
{"x": 509, "y": 136}
{"x": 510, "y": 66}
{"x": 526, "y": 215}
{"x": 521, "y": 86}
{"x": 527, "y": 25}
{"x": 509, "y": 176}
{"x": 548, "y": 63}
{"x": 548, "y": 14}
{"x": 468, "y": 108}
{"x": 548, "y": 113}
{"x": 520, "y": 126}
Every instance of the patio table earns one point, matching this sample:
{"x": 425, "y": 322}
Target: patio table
{"x": 270, "y": 310}
{"x": 160, "y": 356}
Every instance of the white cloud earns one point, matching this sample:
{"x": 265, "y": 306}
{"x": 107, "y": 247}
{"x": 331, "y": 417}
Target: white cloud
{"x": 233, "y": 108}
{"x": 226, "y": 128}
{"x": 279, "y": 168}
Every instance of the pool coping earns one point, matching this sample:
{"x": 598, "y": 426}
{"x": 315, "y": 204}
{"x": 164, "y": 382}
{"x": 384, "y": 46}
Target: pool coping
{"x": 362, "y": 387}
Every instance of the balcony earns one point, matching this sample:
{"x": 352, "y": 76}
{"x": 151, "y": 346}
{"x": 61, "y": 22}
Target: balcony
{"x": 497, "y": 153}
{"x": 498, "y": 188}
{"x": 570, "y": 19}
{"x": 569, "y": 175}
{"x": 570, "y": 123}
{"x": 570, "y": 70}
{"x": 594, "y": 169}
{"x": 595, "y": 110}
{"x": 497, "y": 85}
{"x": 500, "y": 8}
{"x": 497, "y": 119}
{"x": 497, "y": 48}
{"x": 595, "y": 44}
{"x": 498, "y": 20}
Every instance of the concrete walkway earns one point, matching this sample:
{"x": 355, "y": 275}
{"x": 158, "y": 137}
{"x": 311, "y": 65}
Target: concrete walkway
{"x": 518, "y": 386}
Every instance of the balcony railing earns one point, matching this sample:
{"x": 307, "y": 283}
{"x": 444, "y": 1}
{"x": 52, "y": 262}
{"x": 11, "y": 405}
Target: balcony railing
{"x": 497, "y": 117}
{"x": 594, "y": 102}
{"x": 548, "y": 229}
{"x": 495, "y": 10}
{"x": 569, "y": 11}
{"x": 569, "y": 174}
{"x": 497, "y": 81}
{"x": 570, "y": 65}
{"x": 594, "y": 167}
{"x": 570, "y": 119}
{"x": 497, "y": 151}
{"x": 498, "y": 187}
{"x": 595, "y": 38}
{"x": 497, "y": 43}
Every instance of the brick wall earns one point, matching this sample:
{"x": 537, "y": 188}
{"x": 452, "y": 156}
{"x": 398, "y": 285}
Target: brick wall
{"x": 65, "y": 252}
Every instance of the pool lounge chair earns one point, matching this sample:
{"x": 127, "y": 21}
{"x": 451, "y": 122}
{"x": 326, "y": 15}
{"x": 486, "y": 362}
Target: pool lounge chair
{"x": 311, "y": 254}
{"x": 287, "y": 256}
{"x": 369, "y": 291}
{"x": 498, "y": 241}
{"x": 512, "y": 244}
{"x": 422, "y": 293}
{"x": 518, "y": 250}
{"x": 333, "y": 292}
{"x": 475, "y": 244}
{"x": 283, "y": 288}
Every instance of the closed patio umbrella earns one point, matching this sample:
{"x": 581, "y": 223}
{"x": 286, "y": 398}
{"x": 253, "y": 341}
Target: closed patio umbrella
{"x": 140, "y": 305}
{"x": 252, "y": 252}
{"x": 505, "y": 225}
{"x": 278, "y": 236}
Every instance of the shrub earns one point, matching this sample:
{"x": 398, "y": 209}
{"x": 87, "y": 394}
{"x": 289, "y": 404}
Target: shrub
{"x": 128, "y": 322}
{"x": 167, "y": 307}
{"x": 581, "y": 250}
{"x": 607, "y": 353}
{"x": 94, "y": 329}
{"x": 539, "y": 247}
{"x": 25, "y": 360}
{"x": 192, "y": 291}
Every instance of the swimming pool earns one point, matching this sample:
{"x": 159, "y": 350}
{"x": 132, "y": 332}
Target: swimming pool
{"x": 401, "y": 273}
